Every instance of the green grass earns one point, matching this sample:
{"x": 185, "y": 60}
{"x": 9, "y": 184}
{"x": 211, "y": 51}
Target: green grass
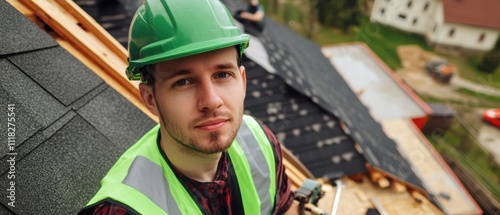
{"x": 473, "y": 93}
{"x": 477, "y": 103}
{"x": 459, "y": 145}
{"x": 467, "y": 70}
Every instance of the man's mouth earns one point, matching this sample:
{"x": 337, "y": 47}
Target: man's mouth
{"x": 212, "y": 124}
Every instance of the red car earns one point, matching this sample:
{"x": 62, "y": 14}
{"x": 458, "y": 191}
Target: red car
{"x": 492, "y": 116}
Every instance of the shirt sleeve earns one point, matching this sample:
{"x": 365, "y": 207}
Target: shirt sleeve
{"x": 107, "y": 208}
{"x": 285, "y": 195}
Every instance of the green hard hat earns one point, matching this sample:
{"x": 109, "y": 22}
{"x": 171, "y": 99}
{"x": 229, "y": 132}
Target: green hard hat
{"x": 168, "y": 29}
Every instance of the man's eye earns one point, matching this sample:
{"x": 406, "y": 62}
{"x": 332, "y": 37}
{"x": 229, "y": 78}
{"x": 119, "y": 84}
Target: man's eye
{"x": 222, "y": 75}
{"x": 181, "y": 82}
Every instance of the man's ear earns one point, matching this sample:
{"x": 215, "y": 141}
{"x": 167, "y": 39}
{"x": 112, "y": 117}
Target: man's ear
{"x": 244, "y": 77}
{"x": 148, "y": 98}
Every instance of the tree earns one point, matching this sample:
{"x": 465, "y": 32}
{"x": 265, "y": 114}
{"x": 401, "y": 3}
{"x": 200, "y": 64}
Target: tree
{"x": 310, "y": 18}
{"x": 491, "y": 59}
{"x": 339, "y": 13}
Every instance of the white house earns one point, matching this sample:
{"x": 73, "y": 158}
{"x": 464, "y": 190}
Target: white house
{"x": 470, "y": 26}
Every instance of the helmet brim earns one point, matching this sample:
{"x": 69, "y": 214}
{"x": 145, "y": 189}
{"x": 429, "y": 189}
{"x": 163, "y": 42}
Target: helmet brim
{"x": 187, "y": 50}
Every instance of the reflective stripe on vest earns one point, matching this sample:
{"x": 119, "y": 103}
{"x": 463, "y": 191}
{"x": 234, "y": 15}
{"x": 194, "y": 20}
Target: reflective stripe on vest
{"x": 162, "y": 193}
{"x": 258, "y": 161}
{"x": 153, "y": 185}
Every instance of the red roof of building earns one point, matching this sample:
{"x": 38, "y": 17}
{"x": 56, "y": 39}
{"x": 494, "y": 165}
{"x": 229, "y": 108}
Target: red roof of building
{"x": 484, "y": 13}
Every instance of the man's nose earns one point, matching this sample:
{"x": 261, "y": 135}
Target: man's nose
{"x": 209, "y": 96}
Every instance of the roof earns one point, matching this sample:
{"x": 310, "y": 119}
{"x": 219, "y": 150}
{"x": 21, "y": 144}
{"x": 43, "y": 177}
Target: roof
{"x": 373, "y": 82}
{"x": 312, "y": 134}
{"x": 445, "y": 188}
{"x": 483, "y": 13}
{"x": 301, "y": 65}
{"x": 69, "y": 124}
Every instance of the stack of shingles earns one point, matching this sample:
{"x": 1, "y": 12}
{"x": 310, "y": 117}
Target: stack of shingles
{"x": 70, "y": 125}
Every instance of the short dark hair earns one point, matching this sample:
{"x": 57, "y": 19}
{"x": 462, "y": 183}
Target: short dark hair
{"x": 147, "y": 71}
{"x": 147, "y": 75}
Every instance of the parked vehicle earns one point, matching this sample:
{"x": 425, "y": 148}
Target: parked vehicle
{"x": 440, "y": 70}
{"x": 492, "y": 116}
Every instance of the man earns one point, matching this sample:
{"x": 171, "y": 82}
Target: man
{"x": 252, "y": 18}
{"x": 205, "y": 157}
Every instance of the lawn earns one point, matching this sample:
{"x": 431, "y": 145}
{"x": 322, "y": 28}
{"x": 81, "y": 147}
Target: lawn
{"x": 467, "y": 70}
{"x": 490, "y": 98}
{"x": 458, "y": 144}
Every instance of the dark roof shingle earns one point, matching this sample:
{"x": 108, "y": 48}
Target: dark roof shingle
{"x": 15, "y": 39}
{"x": 70, "y": 125}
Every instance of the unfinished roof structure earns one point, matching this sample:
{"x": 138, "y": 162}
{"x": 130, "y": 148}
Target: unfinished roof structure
{"x": 402, "y": 115}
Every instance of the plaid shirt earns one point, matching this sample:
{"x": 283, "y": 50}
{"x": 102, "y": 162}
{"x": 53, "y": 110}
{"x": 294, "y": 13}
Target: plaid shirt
{"x": 216, "y": 197}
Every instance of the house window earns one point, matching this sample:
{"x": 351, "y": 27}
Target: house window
{"x": 409, "y": 4}
{"x": 382, "y": 11}
{"x": 402, "y": 16}
{"x": 451, "y": 32}
{"x": 414, "y": 21}
{"x": 481, "y": 37}
{"x": 426, "y": 6}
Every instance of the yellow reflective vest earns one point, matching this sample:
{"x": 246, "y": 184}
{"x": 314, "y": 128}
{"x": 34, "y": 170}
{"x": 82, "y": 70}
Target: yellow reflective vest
{"x": 142, "y": 179}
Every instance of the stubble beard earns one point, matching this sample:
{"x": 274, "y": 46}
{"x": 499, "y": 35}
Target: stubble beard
{"x": 216, "y": 144}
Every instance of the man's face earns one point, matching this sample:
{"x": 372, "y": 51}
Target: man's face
{"x": 199, "y": 100}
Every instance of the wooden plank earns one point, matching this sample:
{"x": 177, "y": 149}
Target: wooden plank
{"x": 421, "y": 198}
{"x": 293, "y": 161}
{"x": 92, "y": 26}
{"x": 295, "y": 176}
{"x": 398, "y": 187}
{"x": 296, "y": 181}
{"x": 67, "y": 27}
{"x": 21, "y": 8}
{"x": 378, "y": 178}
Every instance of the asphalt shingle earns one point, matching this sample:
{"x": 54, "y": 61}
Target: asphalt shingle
{"x": 62, "y": 174}
{"x": 35, "y": 108}
{"x": 61, "y": 156}
{"x": 15, "y": 40}
{"x": 58, "y": 72}
{"x": 312, "y": 134}
{"x": 115, "y": 117}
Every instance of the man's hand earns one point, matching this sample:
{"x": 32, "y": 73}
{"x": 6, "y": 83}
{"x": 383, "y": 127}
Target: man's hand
{"x": 294, "y": 209}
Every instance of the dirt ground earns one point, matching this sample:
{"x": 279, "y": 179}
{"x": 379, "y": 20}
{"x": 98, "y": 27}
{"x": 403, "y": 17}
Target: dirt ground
{"x": 413, "y": 73}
